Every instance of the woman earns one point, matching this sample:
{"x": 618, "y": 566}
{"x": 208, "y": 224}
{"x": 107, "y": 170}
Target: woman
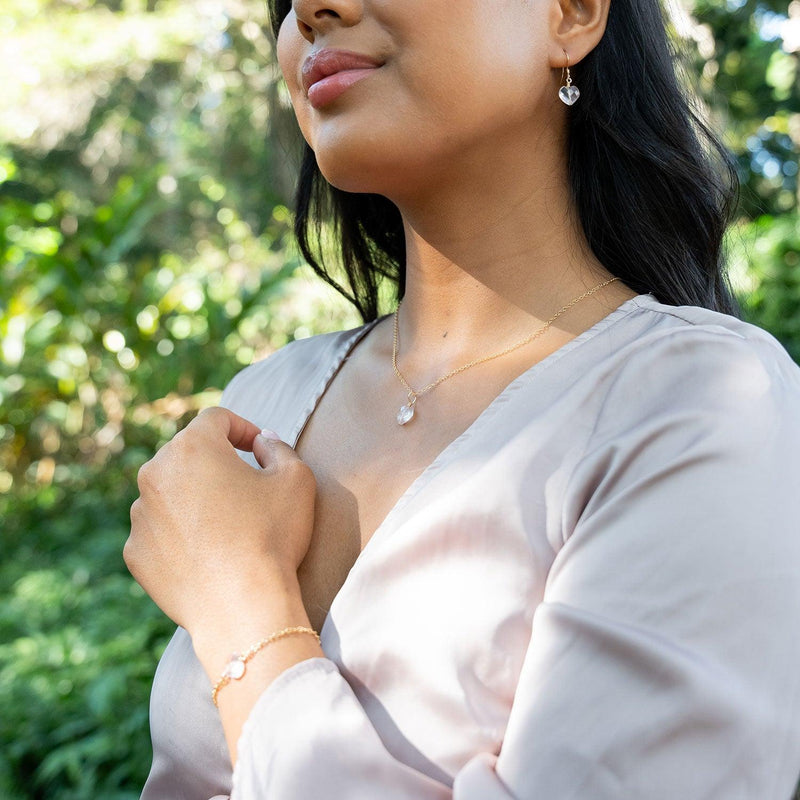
{"x": 545, "y": 516}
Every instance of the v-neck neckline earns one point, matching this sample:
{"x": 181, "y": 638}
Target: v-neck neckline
{"x": 343, "y": 352}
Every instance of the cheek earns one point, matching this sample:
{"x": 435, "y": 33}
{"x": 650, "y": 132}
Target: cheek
{"x": 291, "y": 50}
{"x": 287, "y": 43}
{"x": 488, "y": 66}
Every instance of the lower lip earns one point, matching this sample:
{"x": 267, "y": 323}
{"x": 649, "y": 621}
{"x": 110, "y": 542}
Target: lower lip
{"x": 328, "y": 89}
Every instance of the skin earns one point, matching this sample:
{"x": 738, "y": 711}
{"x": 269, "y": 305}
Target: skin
{"x": 462, "y": 129}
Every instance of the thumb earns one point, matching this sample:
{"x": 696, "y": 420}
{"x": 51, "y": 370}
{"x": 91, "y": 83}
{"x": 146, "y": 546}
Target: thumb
{"x": 270, "y": 450}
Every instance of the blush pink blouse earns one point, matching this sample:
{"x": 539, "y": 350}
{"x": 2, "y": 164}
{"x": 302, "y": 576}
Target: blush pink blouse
{"x": 593, "y": 592}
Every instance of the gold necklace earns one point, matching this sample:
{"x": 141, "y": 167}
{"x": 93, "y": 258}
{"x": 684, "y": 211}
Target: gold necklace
{"x": 407, "y": 411}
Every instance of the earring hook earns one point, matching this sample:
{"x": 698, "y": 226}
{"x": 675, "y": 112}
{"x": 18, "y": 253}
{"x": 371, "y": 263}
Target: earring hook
{"x": 568, "y": 93}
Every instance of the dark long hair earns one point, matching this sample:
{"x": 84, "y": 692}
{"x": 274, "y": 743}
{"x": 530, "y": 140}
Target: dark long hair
{"x": 653, "y": 186}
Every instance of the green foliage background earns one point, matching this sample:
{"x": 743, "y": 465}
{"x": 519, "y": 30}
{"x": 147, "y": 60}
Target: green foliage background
{"x": 146, "y": 158}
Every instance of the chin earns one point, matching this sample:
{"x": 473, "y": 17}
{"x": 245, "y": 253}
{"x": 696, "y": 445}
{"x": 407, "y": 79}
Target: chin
{"x": 385, "y": 168}
{"x": 348, "y": 177}
{"x": 355, "y": 171}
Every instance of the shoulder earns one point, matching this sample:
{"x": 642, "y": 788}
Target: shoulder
{"x": 272, "y": 391}
{"x": 700, "y": 366}
{"x": 696, "y": 404}
{"x": 686, "y": 327}
{"x": 294, "y": 358}
{"x": 705, "y": 347}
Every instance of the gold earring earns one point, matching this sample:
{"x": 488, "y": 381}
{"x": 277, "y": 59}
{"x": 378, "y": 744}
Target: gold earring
{"x": 568, "y": 93}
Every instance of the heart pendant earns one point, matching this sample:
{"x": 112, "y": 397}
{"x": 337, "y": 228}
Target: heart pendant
{"x": 405, "y": 414}
{"x": 569, "y": 94}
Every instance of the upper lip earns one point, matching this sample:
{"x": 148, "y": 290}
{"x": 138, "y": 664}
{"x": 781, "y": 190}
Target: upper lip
{"x": 327, "y": 62}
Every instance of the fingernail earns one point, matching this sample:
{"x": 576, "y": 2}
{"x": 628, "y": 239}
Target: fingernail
{"x": 268, "y": 434}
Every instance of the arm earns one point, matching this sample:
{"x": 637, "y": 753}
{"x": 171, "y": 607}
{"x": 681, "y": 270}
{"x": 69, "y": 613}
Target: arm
{"x": 663, "y": 660}
{"x": 216, "y": 544}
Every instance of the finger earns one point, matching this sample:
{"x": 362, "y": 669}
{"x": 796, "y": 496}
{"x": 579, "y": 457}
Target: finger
{"x": 262, "y": 449}
{"x": 273, "y": 454}
{"x": 237, "y": 430}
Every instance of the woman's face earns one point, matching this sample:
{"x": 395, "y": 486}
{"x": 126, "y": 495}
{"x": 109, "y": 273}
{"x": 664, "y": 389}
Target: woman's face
{"x": 420, "y": 84}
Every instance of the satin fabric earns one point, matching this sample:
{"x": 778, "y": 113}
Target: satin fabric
{"x": 594, "y": 592}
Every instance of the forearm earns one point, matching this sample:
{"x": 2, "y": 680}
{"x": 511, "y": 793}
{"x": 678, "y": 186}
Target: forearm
{"x": 249, "y": 616}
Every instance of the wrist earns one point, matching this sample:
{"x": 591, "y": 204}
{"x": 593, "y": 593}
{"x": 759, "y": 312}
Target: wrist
{"x": 250, "y": 611}
{"x": 236, "y": 668}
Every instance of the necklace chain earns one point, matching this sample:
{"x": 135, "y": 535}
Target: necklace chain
{"x": 407, "y": 411}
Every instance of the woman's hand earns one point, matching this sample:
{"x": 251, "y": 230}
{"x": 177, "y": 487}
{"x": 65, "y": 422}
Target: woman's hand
{"x": 210, "y": 532}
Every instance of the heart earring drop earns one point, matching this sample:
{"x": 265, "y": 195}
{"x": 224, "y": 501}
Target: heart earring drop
{"x": 568, "y": 93}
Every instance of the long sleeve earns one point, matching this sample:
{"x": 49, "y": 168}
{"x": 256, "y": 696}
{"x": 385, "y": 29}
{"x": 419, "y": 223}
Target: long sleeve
{"x": 663, "y": 658}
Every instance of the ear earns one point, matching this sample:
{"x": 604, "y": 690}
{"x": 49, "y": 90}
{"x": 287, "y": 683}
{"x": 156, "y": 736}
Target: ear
{"x": 576, "y": 27}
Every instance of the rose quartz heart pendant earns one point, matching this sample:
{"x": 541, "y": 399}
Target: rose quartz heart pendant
{"x": 569, "y": 95}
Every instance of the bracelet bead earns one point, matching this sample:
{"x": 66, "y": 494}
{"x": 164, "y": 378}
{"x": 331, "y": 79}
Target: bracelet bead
{"x": 236, "y": 668}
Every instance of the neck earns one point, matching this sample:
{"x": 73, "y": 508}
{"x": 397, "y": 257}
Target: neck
{"x": 485, "y": 268}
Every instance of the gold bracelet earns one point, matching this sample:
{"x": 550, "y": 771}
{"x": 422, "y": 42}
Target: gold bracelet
{"x": 237, "y": 666}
